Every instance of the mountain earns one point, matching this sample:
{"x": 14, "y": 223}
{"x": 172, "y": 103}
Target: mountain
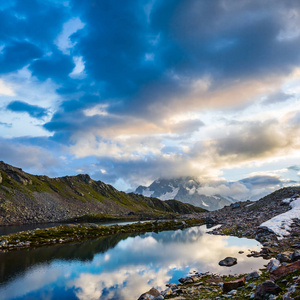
{"x": 26, "y": 198}
{"x": 184, "y": 189}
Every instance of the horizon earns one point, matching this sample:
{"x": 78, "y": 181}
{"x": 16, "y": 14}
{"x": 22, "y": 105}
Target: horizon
{"x": 132, "y": 92}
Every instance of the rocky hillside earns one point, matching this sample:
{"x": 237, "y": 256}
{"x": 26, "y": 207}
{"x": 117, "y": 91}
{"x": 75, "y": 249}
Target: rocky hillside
{"x": 26, "y": 198}
{"x": 184, "y": 189}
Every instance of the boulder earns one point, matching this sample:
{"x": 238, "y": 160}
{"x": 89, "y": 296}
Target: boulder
{"x": 296, "y": 255}
{"x": 284, "y": 270}
{"x": 233, "y": 285}
{"x": 228, "y": 262}
{"x": 267, "y": 287}
{"x": 273, "y": 264}
{"x": 150, "y": 295}
{"x": 284, "y": 256}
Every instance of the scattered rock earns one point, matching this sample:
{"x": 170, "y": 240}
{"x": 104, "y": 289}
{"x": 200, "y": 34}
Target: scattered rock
{"x": 233, "y": 285}
{"x": 267, "y": 287}
{"x": 228, "y": 262}
{"x": 241, "y": 252}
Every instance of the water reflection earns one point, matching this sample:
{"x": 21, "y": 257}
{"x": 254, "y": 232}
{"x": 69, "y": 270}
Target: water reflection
{"x": 119, "y": 267}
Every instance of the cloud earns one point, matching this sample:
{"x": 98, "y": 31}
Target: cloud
{"x": 33, "y": 110}
{"x": 28, "y": 157}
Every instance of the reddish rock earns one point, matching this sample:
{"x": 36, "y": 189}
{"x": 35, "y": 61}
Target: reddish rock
{"x": 233, "y": 285}
{"x": 284, "y": 270}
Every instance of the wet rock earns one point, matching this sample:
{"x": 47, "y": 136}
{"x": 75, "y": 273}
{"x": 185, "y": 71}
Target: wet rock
{"x": 252, "y": 275}
{"x": 233, "y": 285}
{"x": 284, "y": 270}
{"x": 228, "y": 262}
{"x": 150, "y": 295}
{"x": 267, "y": 287}
{"x": 273, "y": 264}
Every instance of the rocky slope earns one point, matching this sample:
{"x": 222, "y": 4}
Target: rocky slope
{"x": 184, "y": 189}
{"x": 26, "y": 198}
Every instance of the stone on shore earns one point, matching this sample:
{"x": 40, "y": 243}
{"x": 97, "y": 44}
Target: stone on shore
{"x": 228, "y": 262}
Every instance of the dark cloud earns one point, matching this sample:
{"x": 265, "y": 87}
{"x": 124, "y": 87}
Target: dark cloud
{"x": 56, "y": 66}
{"x": 17, "y": 54}
{"x": 33, "y": 110}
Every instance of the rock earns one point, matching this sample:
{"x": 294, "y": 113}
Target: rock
{"x": 296, "y": 255}
{"x": 228, "y": 262}
{"x": 210, "y": 220}
{"x": 273, "y": 264}
{"x": 241, "y": 252}
{"x": 284, "y": 270}
{"x": 0, "y": 178}
{"x": 150, "y": 295}
{"x": 233, "y": 285}
{"x": 167, "y": 292}
{"x": 236, "y": 205}
{"x": 297, "y": 245}
{"x": 160, "y": 297}
{"x": 252, "y": 275}
{"x": 186, "y": 280}
{"x": 284, "y": 256}
{"x": 267, "y": 287}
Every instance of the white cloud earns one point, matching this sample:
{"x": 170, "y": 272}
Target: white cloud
{"x": 63, "y": 40}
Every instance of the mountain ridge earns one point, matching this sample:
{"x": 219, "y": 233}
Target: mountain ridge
{"x": 183, "y": 189}
{"x": 27, "y": 198}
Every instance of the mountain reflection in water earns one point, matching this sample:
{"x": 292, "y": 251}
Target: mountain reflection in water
{"x": 120, "y": 266}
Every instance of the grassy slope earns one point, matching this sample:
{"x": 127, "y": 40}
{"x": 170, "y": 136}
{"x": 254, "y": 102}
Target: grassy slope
{"x": 40, "y": 198}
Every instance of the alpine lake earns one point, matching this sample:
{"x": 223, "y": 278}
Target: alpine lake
{"x": 120, "y": 266}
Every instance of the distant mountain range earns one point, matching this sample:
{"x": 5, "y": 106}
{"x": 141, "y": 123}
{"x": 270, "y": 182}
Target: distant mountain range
{"x": 184, "y": 189}
{"x": 26, "y": 198}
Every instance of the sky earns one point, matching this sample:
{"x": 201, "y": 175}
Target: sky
{"x": 131, "y": 91}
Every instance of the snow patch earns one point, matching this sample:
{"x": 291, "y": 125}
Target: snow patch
{"x": 204, "y": 204}
{"x": 281, "y": 223}
{"x": 147, "y": 192}
{"x": 170, "y": 195}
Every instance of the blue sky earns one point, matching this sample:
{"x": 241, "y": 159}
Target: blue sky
{"x": 129, "y": 91}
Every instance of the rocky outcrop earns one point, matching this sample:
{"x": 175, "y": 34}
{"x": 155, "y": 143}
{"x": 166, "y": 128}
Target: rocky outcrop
{"x": 150, "y": 295}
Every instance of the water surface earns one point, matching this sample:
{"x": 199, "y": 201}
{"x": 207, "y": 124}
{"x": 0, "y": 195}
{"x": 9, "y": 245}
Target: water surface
{"x": 120, "y": 266}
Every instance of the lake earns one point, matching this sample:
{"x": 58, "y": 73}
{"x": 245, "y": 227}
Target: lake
{"x": 120, "y": 266}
